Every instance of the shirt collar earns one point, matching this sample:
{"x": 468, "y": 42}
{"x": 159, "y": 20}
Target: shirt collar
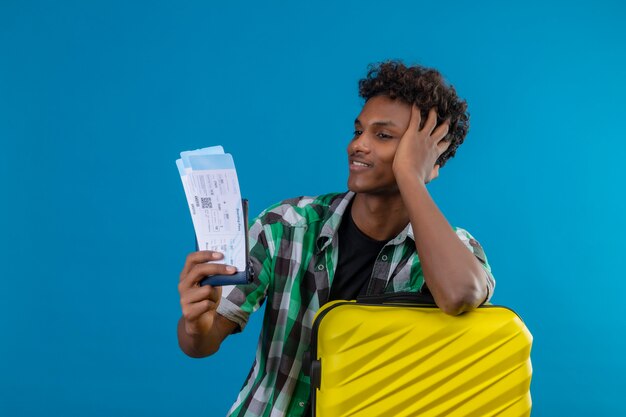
{"x": 406, "y": 232}
{"x": 333, "y": 220}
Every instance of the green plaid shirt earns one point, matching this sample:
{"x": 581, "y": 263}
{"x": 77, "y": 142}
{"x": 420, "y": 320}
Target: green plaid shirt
{"x": 293, "y": 247}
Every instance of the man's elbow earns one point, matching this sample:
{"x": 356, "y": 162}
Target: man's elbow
{"x": 196, "y": 345}
{"x": 461, "y": 300}
{"x": 192, "y": 353}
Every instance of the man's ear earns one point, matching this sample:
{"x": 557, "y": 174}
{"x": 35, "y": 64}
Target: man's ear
{"x": 433, "y": 174}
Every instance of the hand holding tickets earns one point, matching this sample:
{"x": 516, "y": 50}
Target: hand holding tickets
{"x": 218, "y": 213}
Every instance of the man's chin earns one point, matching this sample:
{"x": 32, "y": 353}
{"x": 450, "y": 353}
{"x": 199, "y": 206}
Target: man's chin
{"x": 355, "y": 188}
{"x": 368, "y": 189}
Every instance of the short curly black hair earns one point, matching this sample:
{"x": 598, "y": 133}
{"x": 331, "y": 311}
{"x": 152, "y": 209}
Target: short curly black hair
{"x": 424, "y": 87}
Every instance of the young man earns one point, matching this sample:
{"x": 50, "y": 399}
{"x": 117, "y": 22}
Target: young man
{"x": 310, "y": 250}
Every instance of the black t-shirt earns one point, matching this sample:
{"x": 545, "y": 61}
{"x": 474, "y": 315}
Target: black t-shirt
{"x": 357, "y": 255}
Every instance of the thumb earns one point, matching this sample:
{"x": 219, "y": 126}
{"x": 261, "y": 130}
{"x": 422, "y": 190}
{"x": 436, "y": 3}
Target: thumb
{"x": 216, "y": 294}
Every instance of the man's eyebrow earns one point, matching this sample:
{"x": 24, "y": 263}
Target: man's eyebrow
{"x": 378, "y": 123}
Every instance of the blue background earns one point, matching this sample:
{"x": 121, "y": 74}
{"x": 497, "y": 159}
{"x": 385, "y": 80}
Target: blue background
{"x": 98, "y": 98}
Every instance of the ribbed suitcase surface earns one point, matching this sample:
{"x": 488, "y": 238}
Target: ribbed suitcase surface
{"x": 406, "y": 360}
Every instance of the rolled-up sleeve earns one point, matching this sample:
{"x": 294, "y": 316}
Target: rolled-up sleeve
{"x": 472, "y": 244}
{"x": 239, "y": 301}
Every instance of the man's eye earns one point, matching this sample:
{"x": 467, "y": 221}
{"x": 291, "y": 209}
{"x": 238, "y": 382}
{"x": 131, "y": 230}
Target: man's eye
{"x": 358, "y": 132}
{"x": 384, "y": 136}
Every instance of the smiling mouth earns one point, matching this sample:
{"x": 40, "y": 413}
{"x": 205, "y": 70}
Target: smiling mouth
{"x": 359, "y": 164}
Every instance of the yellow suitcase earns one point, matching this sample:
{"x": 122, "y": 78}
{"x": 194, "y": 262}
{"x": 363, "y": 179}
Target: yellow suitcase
{"x": 390, "y": 356}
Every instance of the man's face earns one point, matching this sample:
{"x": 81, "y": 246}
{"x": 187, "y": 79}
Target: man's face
{"x": 377, "y": 133}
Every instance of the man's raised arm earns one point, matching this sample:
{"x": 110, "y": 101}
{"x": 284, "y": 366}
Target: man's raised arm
{"x": 453, "y": 274}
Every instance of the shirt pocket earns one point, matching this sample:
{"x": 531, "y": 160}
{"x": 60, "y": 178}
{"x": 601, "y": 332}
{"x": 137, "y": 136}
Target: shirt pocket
{"x": 406, "y": 277}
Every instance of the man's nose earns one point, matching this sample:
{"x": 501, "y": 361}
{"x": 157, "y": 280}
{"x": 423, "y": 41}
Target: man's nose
{"x": 360, "y": 144}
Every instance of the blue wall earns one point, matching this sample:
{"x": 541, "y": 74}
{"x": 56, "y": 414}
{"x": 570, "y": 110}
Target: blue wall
{"x": 98, "y": 98}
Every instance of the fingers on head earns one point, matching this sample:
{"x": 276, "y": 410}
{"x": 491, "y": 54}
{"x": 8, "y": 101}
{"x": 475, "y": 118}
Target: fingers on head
{"x": 416, "y": 117}
{"x": 441, "y": 131}
{"x": 431, "y": 120}
{"x": 443, "y": 145}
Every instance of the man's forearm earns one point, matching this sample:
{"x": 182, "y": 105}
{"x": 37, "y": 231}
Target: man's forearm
{"x": 453, "y": 274}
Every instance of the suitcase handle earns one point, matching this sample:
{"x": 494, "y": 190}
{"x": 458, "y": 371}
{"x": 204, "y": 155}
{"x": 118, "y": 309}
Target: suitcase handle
{"x": 398, "y": 297}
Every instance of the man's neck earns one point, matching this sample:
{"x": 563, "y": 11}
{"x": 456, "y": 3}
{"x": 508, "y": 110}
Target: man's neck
{"x": 381, "y": 217}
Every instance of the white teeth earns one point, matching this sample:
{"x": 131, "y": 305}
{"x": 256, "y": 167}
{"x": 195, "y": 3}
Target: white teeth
{"x": 360, "y": 164}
